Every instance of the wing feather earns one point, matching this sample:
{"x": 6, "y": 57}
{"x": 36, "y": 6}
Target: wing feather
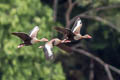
{"x": 22, "y": 36}
{"x": 77, "y": 26}
{"x": 67, "y": 32}
{"x": 34, "y": 32}
{"x": 48, "y": 52}
{"x": 65, "y": 47}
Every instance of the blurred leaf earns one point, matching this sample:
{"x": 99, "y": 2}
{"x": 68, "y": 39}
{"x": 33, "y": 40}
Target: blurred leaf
{"x": 27, "y": 63}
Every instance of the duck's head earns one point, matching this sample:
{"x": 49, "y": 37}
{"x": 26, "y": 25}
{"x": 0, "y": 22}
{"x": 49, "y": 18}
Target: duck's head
{"x": 87, "y": 36}
{"x": 78, "y": 37}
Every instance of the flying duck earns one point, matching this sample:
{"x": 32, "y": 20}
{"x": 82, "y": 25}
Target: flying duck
{"x": 29, "y": 39}
{"x": 47, "y": 48}
{"x": 74, "y": 33}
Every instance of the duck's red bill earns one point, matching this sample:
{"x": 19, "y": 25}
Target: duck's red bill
{"x": 67, "y": 41}
{"x": 89, "y": 36}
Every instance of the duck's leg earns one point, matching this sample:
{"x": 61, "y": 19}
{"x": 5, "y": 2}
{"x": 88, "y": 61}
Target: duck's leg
{"x": 21, "y": 45}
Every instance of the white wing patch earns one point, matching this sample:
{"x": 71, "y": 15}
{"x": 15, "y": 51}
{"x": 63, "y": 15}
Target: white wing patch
{"x": 49, "y": 50}
{"x": 34, "y": 31}
{"x": 77, "y": 26}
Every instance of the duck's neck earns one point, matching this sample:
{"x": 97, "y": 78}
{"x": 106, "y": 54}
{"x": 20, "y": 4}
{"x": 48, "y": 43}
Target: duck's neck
{"x": 85, "y": 36}
{"x": 56, "y": 42}
{"x": 34, "y": 40}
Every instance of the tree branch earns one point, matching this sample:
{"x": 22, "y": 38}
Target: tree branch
{"x": 91, "y": 73}
{"x": 85, "y": 15}
{"x": 107, "y": 7}
{"x": 97, "y": 18}
{"x": 100, "y": 19}
{"x": 55, "y": 10}
{"x": 101, "y": 8}
{"x": 105, "y": 65}
{"x": 114, "y": 69}
{"x": 108, "y": 72}
{"x": 67, "y": 15}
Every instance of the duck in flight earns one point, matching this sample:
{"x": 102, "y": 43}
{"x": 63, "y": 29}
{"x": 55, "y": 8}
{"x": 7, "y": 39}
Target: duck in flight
{"x": 74, "y": 33}
{"x": 47, "y": 48}
{"x": 29, "y": 39}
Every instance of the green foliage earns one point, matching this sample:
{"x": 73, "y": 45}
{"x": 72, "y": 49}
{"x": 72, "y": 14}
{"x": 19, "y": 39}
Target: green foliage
{"x": 83, "y": 2}
{"x": 27, "y": 63}
{"x": 114, "y": 1}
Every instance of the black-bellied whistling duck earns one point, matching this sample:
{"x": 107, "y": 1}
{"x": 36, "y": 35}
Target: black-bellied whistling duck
{"x": 47, "y": 48}
{"x": 29, "y": 39}
{"x": 74, "y": 33}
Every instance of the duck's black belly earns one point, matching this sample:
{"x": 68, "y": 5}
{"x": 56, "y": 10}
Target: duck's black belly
{"x": 71, "y": 37}
{"x": 27, "y": 43}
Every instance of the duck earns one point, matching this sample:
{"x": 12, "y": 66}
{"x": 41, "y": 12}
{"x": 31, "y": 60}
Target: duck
{"x": 47, "y": 48}
{"x": 29, "y": 39}
{"x": 74, "y": 33}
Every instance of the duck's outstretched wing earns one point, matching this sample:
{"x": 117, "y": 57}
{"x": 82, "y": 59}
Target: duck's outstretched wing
{"x": 77, "y": 26}
{"x": 64, "y": 47}
{"x": 67, "y": 32}
{"x": 48, "y": 52}
{"x": 63, "y": 30}
{"x": 34, "y": 32}
{"x": 23, "y": 36}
